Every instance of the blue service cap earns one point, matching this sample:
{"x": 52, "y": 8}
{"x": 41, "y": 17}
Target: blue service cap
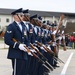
{"x": 26, "y": 12}
{"x": 40, "y": 18}
{"x": 18, "y": 11}
{"x": 54, "y": 25}
{"x": 48, "y": 23}
{"x": 44, "y": 22}
{"x": 34, "y": 17}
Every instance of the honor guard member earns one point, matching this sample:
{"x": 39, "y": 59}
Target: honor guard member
{"x": 49, "y": 32}
{"x": 33, "y": 20}
{"x": 42, "y": 70}
{"x": 47, "y": 38}
{"x": 26, "y": 21}
{"x": 44, "y": 41}
{"x": 17, "y": 52}
{"x": 54, "y": 42}
{"x": 37, "y": 33}
{"x": 28, "y": 25}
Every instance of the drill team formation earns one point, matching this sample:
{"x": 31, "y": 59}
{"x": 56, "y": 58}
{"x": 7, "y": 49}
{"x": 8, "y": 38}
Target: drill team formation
{"x": 33, "y": 43}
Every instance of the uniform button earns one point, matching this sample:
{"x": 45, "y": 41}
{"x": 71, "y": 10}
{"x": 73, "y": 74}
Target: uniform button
{"x": 22, "y": 37}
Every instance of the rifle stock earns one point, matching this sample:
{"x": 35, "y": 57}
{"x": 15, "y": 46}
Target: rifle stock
{"x": 2, "y": 34}
{"x": 60, "y": 23}
{"x": 50, "y": 43}
{"x": 53, "y": 40}
{"x": 63, "y": 42}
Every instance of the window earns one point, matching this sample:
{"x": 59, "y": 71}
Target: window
{"x": 0, "y": 26}
{"x": 0, "y": 19}
{"x": 7, "y": 20}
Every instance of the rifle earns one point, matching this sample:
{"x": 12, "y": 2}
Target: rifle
{"x": 2, "y": 34}
{"x": 63, "y": 42}
{"x": 56, "y": 57}
{"x": 50, "y": 52}
{"x": 60, "y": 23}
{"x": 53, "y": 40}
{"x": 41, "y": 45}
{"x": 50, "y": 43}
{"x": 28, "y": 51}
{"x": 53, "y": 35}
{"x": 45, "y": 59}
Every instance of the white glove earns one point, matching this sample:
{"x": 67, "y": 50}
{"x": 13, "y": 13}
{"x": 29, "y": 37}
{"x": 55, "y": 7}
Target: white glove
{"x": 54, "y": 32}
{"x": 43, "y": 49}
{"x": 63, "y": 32}
{"x": 29, "y": 53}
{"x": 59, "y": 31}
{"x": 48, "y": 47}
{"x": 43, "y": 45}
{"x": 21, "y": 47}
{"x": 54, "y": 43}
{"x": 60, "y": 38}
{"x": 36, "y": 48}
{"x": 32, "y": 50}
{"x": 63, "y": 37}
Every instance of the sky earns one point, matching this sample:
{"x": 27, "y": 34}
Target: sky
{"x": 41, "y": 5}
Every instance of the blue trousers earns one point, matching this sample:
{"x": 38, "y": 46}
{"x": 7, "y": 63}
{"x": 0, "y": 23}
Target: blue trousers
{"x": 19, "y": 66}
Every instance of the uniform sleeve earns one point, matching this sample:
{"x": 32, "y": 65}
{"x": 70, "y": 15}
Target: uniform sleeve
{"x": 9, "y": 34}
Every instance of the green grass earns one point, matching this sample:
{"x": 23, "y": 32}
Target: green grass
{"x": 1, "y": 39}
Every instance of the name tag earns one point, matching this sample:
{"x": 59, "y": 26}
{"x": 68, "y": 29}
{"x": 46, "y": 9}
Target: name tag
{"x": 25, "y": 33}
{"x": 39, "y": 33}
{"x": 48, "y": 34}
{"x": 42, "y": 34}
{"x": 31, "y": 31}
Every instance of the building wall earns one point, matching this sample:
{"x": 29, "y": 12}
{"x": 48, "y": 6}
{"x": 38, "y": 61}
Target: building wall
{"x": 5, "y": 20}
{"x": 4, "y": 23}
{"x": 51, "y": 19}
{"x": 48, "y": 18}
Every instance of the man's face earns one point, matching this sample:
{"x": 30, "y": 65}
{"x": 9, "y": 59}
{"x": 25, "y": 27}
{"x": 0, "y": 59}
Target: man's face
{"x": 27, "y": 17}
{"x": 23, "y": 18}
{"x": 18, "y": 17}
{"x": 39, "y": 23}
{"x": 32, "y": 21}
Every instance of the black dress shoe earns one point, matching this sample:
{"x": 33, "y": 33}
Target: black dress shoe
{"x": 57, "y": 66}
{"x": 54, "y": 66}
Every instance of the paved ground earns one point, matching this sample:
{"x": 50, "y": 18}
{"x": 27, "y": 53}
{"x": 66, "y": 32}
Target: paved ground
{"x": 69, "y": 69}
{"x": 5, "y": 64}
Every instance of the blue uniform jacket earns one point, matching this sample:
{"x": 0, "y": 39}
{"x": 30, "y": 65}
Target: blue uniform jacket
{"x": 13, "y": 31}
{"x": 30, "y": 33}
